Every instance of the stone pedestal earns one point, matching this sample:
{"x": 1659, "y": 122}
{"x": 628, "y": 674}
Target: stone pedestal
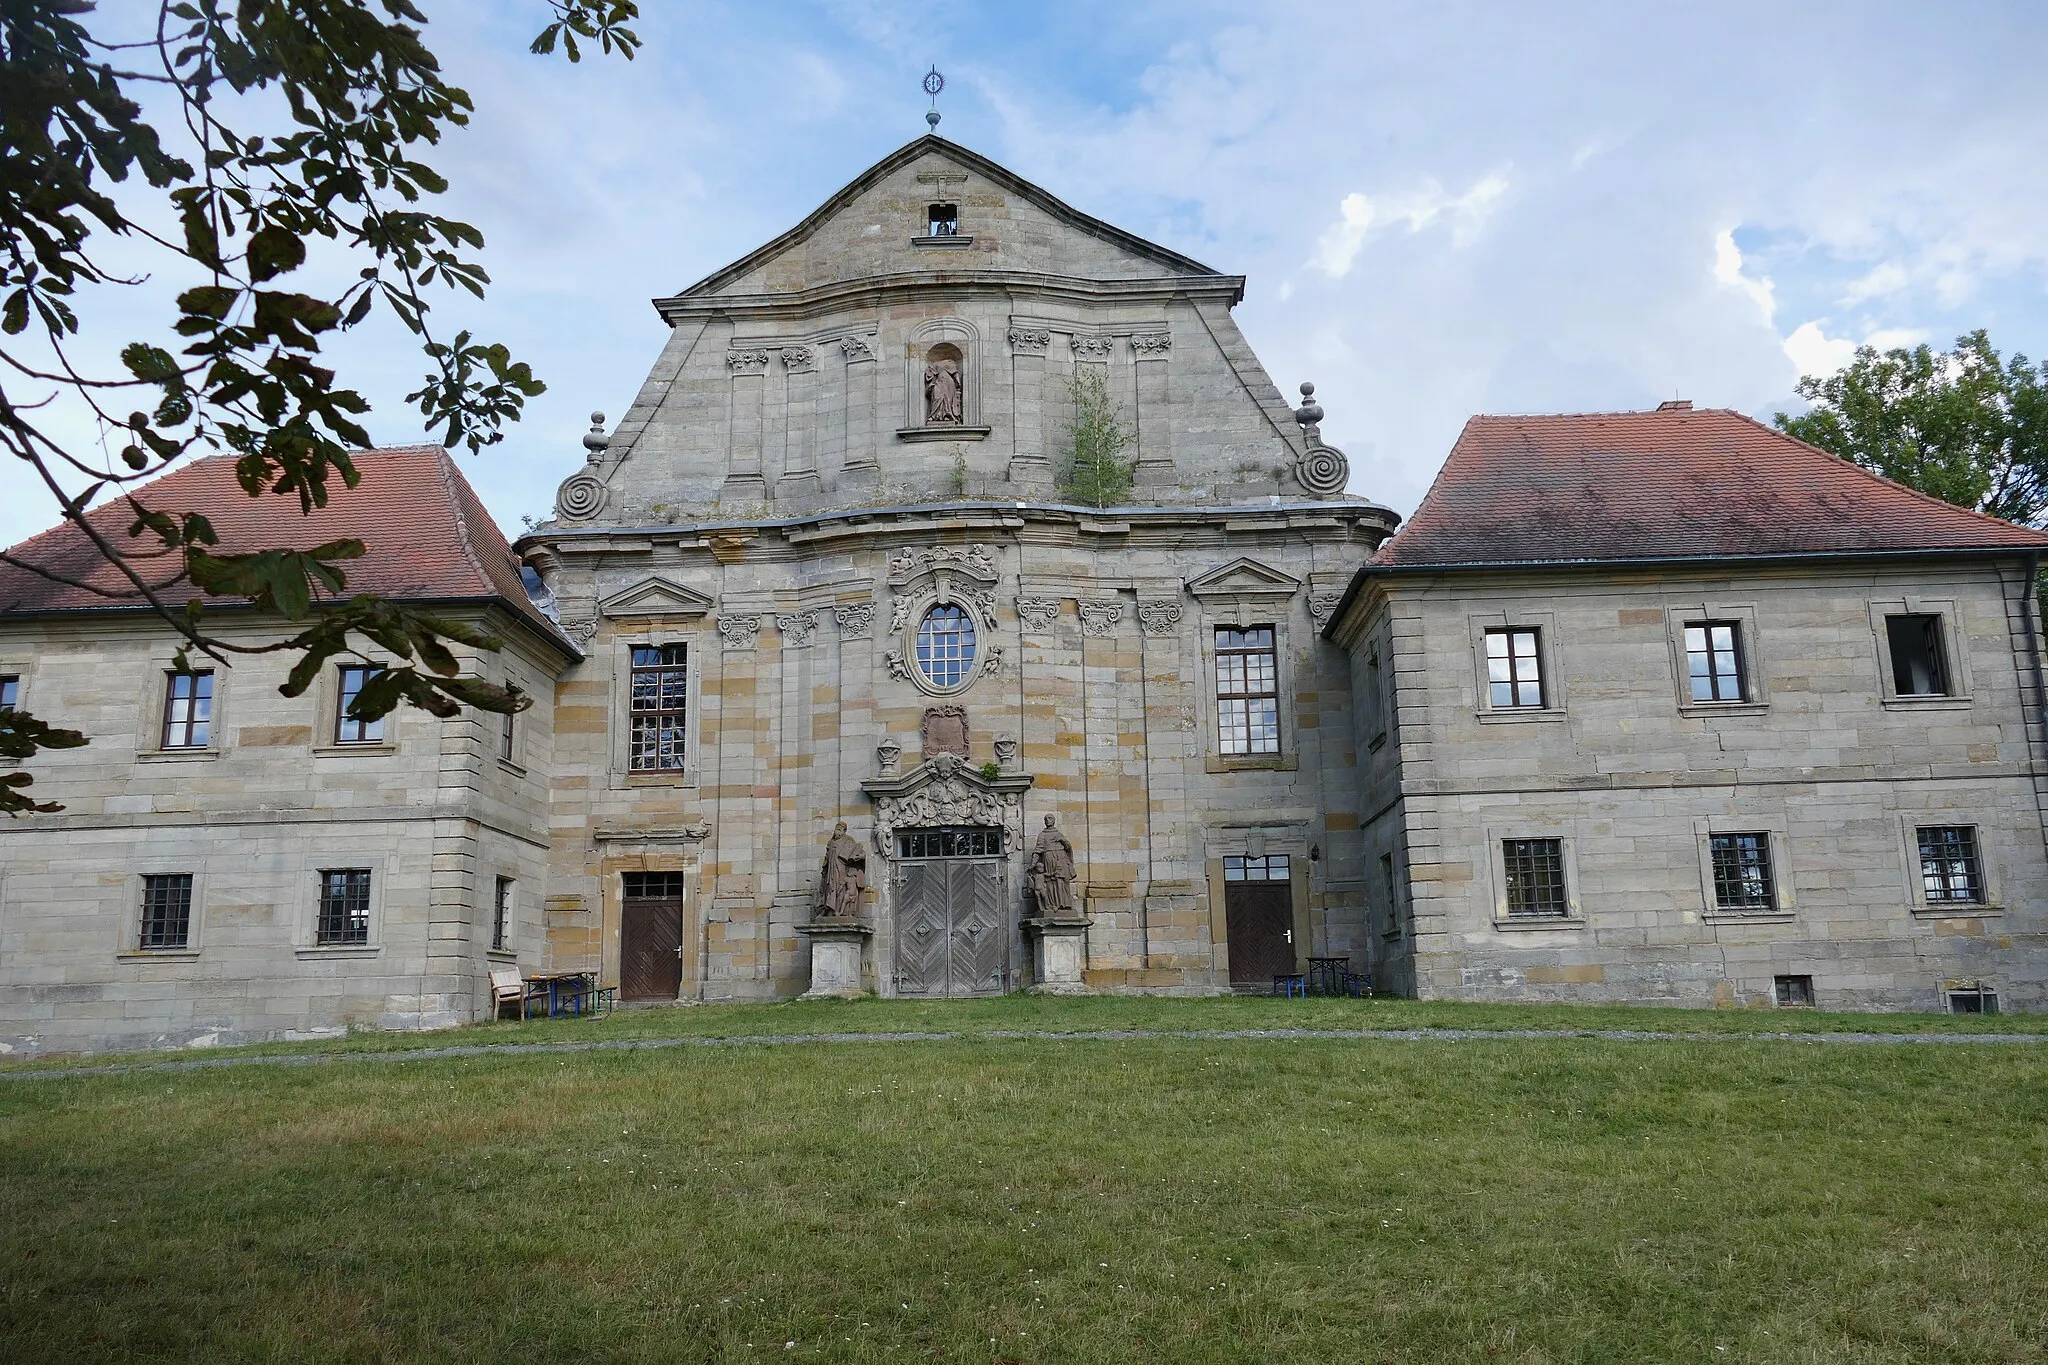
{"x": 1062, "y": 952}
{"x": 835, "y": 957}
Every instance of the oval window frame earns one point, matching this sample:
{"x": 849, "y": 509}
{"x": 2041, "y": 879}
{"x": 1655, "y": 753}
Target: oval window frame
{"x": 970, "y": 664}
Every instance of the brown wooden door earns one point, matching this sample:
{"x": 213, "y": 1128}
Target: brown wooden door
{"x": 1259, "y": 917}
{"x": 651, "y": 948}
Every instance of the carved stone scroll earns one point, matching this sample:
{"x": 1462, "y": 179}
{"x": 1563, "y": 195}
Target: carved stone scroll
{"x": 1159, "y": 616}
{"x": 1099, "y": 616}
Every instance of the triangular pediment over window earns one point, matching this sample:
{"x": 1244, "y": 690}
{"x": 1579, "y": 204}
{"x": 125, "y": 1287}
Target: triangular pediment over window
{"x": 1245, "y": 578}
{"x": 656, "y": 597}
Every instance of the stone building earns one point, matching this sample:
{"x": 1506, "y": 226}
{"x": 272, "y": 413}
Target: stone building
{"x": 1670, "y": 707}
{"x": 825, "y": 569}
{"x": 234, "y": 864}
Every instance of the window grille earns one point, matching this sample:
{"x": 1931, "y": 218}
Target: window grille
{"x": 951, "y": 841}
{"x": 1793, "y": 991}
{"x": 1273, "y": 867}
{"x": 344, "y": 907}
{"x": 942, "y": 220}
{"x": 1514, "y": 674}
{"x": 1951, "y": 872}
{"x": 660, "y": 708}
{"x": 1247, "y": 691}
{"x": 1919, "y": 665}
{"x": 945, "y": 646}
{"x": 351, "y": 729}
{"x": 1742, "y": 872}
{"x": 1535, "y": 876}
{"x": 1713, "y": 661}
{"x": 501, "y": 913}
{"x": 654, "y": 885}
{"x": 166, "y": 910}
{"x": 1973, "y": 999}
{"x": 188, "y": 710}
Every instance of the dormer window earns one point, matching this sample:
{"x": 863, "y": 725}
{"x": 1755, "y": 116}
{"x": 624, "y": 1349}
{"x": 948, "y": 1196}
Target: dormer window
{"x": 943, "y": 220}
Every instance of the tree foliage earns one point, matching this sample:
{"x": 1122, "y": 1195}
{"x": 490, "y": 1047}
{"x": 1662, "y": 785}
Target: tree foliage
{"x": 1960, "y": 425}
{"x": 1097, "y": 473}
{"x": 282, "y": 124}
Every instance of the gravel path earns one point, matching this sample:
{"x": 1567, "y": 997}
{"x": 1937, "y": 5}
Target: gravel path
{"x": 1431, "y": 1035}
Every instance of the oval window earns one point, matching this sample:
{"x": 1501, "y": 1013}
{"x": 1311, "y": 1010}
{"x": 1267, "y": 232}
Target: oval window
{"x": 945, "y": 646}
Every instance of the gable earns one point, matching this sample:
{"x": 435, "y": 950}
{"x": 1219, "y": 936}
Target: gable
{"x": 656, "y": 596}
{"x": 1006, "y": 224}
{"x": 1245, "y": 577}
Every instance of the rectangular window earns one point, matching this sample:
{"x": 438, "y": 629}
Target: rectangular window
{"x": 1375, "y": 702}
{"x": 501, "y": 914}
{"x": 1713, "y": 659}
{"x": 1535, "y": 876}
{"x": 166, "y": 910}
{"x": 1742, "y": 873}
{"x": 188, "y": 710}
{"x": 654, "y": 885}
{"x": 1919, "y": 664}
{"x": 1273, "y": 867}
{"x": 1972, "y": 999}
{"x": 1247, "y": 691}
{"x": 942, "y": 220}
{"x": 344, "y": 907}
{"x": 351, "y": 729}
{"x": 1393, "y": 893}
{"x": 951, "y": 841}
{"x": 1514, "y": 678}
{"x": 507, "y": 736}
{"x": 1793, "y": 992}
{"x": 660, "y": 697}
{"x": 1951, "y": 872}
{"x": 10, "y": 691}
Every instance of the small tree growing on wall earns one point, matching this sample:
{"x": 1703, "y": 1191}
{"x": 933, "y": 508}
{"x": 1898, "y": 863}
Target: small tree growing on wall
{"x": 1097, "y": 474}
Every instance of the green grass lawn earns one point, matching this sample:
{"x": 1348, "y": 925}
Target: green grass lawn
{"x": 988, "y": 1199}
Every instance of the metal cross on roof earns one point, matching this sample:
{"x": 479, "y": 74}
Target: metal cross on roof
{"x": 933, "y": 84}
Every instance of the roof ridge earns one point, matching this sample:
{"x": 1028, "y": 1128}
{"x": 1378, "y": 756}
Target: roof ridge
{"x": 444, "y": 464}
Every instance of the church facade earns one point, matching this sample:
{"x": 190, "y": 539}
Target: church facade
{"x": 960, "y": 608}
{"x": 831, "y": 567}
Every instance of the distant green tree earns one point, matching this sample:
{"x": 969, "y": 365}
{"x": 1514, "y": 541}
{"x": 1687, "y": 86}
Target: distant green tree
{"x": 1097, "y": 473}
{"x": 1959, "y": 425}
{"x": 274, "y": 125}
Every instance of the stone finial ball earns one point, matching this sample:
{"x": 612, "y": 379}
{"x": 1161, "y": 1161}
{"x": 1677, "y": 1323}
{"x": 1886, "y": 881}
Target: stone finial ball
{"x": 1308, "y": 390}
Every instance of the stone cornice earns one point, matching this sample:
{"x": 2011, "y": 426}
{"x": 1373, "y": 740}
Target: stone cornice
{"x": 875, "y": 291}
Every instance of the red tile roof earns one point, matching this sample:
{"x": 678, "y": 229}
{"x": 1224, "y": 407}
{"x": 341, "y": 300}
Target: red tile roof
{"x": 1673, "y": 483}
{"x": 427, "y": 536}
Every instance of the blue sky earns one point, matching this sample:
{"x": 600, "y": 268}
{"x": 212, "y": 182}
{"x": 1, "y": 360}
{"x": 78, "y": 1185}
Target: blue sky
{"x": 1442, "y": 208}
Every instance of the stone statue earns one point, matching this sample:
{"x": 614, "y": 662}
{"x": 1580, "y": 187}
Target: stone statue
{"x": 942, "y": 393}
{"x": 842, "y": 877}
{"x": 1051, "y": 873}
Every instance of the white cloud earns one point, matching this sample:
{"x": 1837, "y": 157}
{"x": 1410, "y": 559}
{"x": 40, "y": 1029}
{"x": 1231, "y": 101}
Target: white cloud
{"x": 1817, "y": 353}
{"x": 1885, "y": 280}
{"x": 1358, "y": 216}
{"x": 1728, "y": 270}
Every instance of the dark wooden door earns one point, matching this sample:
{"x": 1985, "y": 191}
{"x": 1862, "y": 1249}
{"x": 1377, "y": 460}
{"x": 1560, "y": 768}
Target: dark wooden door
{"x": 651, "y": 948}
{"x": 1259, "y": 917}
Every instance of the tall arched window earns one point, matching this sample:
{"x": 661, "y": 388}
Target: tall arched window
{"x": 946, "y": 646}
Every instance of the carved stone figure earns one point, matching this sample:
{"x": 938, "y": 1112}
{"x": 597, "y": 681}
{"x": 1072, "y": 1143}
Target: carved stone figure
{"x": 842, "y": 877}
{"x": 945, "y": 731}
{"x": 1051, "y": 873}
{"x": 942, "y": 393}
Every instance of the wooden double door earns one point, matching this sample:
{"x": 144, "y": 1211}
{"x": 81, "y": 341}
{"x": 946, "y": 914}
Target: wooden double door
{"x": 952, "y": 935}
{"x": 651, "y": 937}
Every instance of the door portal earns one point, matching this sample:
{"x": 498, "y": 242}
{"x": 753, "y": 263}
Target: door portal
{"x": 651, "y": 937}
{"x": 952, "y": 937}
{"x": 1258, "y": 914}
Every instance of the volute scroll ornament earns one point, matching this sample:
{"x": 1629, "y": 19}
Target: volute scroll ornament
{"x": 746, "y": 362}
{"x": 856, "y": 348}
{"x": 1151, "y": 344}
{"x": 854, "y": 618}
{"x": 1099, "y": 616}
{"x": 1321, "y": 604}
{"x": 1030, "y": 340}
{"x": 580, "y": 497}
{"x": 1038, "y": 612}
{"x": 1093, "y": 348}
{"x": 1322, "y": 469}
{"x": 797, "y": 628}
{"x": 1159, "y": 616}
{"x": 740, "y": 631}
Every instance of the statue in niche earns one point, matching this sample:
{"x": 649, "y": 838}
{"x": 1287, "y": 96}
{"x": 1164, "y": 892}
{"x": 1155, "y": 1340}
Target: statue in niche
{"x": 1051, "y": 873}
{"x": 942, "y": 386}
{"x": 843, "y": 877}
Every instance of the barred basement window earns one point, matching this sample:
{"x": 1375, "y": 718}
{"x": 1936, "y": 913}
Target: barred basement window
{"x": 188, "y": 710}
{"x": 1247, "y": 691}
{"x": 350, "y": 729}
{"x": 344, "y": 907}
{"x": 166, "y": 910}
{"x": 1514, "y": 677}
{"x": 1273, "y": 867}
{"x": 1793, "y": 991}
{"x": 660, "y": 707}
{"x": 1973, "y": 999}
{"x": 1951, "y": 873}
{"x": 951, "y": 841}
{"x": 1713, "y": 660}
{"x": 1535, "y": 876}
{"x": 1742, "y": 873}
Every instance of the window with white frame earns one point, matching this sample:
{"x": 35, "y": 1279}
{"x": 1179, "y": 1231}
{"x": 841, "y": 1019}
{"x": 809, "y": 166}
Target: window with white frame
{"x": 1247, "y": 691}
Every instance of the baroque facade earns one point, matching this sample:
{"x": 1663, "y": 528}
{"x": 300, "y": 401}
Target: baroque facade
{"x": 843, "y": 687}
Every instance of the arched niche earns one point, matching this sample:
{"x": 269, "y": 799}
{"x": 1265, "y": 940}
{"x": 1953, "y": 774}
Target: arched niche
{"x": 948, "y": 350}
